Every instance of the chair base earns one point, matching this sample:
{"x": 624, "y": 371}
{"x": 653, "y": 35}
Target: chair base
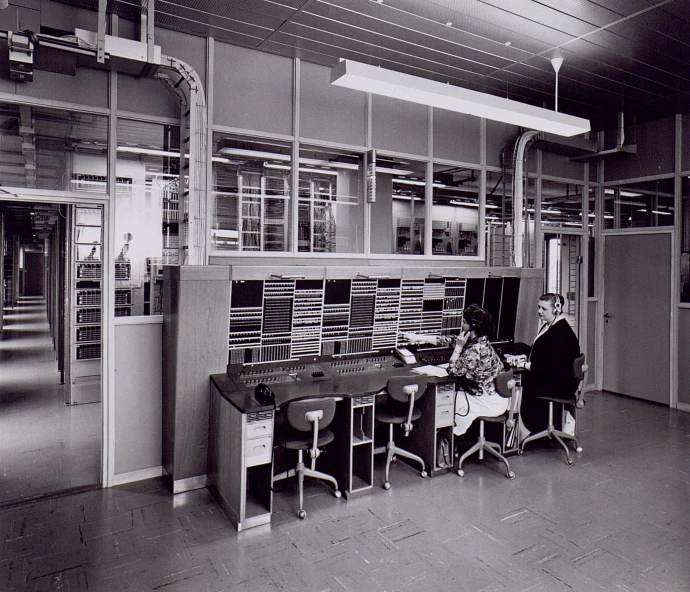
{"x": 391, "y": 451}
{"x": 481, "y": 446}
{"x": 553, "y": 433}
{"x": 301, "y": 471}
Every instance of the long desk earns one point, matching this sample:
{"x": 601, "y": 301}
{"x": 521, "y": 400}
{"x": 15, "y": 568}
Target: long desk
{"x": 241, "y": 429}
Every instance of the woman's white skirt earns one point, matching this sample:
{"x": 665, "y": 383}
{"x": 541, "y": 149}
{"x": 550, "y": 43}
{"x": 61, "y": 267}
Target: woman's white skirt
{"x": 484, "y": 405}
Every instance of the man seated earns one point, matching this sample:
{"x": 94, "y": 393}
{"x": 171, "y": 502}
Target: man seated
{"x": 548, "y": 370}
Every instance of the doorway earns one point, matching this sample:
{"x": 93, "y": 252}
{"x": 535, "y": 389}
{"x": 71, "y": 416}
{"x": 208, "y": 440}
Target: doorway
{"x": 637, "y": 315}
{"x": 562, "y": 257}
{"x": 46, "y": 444}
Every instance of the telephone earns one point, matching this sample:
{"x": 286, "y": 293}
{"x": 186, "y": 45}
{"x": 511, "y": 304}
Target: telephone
{"x": 264, "y": 395}
{"x": 405, "y": 355}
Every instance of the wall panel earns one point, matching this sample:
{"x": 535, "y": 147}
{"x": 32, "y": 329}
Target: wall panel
{"x": 497, "y": 136}
{"x": 399, "y": 126}
{"x": 188, "y": 48}
{"x": 146, "y": 96}
{"x": 684, "y": 356}
{"x": 557, "y": 165}
{"x": 655, "y": 151}
{"x": 87, "y": 87}
{"x": 252, "y": 89}
{"x": 590, "y": 352}
{"x": 456, "y": 136}
{"x": 330, "y": 113}
{"x": 138, "y": 396}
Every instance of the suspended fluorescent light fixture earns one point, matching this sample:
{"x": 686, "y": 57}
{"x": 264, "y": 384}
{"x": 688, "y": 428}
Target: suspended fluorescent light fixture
{"x": 623, "y": 193}
{"x": 455, "y": 202}
{"x": 149, "y": 151}
{"x": 405, "y": 87}
{"x": 392, "y": 171}
{"x": 416, "y": 182}
{"x": 287, "y": 167}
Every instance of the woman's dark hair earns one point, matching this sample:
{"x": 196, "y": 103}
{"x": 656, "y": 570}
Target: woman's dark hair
{"x": 479, "y": 320}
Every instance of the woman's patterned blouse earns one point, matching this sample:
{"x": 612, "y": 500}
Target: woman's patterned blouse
{"x": 477, "y": 367}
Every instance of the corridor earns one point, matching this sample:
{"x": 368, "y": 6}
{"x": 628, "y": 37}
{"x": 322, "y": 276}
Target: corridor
{"x": 45, "y": 445}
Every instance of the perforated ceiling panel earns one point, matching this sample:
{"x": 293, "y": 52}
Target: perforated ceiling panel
{"x": 619, "y": 54}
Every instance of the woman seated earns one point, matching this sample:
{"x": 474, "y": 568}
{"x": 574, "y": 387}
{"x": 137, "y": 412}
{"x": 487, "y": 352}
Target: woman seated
{"x": 476, "y": 365}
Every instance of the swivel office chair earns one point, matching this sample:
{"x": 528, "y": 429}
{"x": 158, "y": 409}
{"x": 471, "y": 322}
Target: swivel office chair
{"x": 308, "y": 420}
{"x": 402, "y": 391}
{"x": 505, "y": 387}
{"x": 580, "y": 371}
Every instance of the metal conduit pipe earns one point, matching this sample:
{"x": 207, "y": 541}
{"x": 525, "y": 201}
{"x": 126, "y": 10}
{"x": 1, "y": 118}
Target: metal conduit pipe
{"x": 519, "y": 182}
{"x": 193, "y": 114}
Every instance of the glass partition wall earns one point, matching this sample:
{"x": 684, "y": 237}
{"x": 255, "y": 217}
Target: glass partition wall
{"x": 640, "y": 205}
{"x": 251, "y": 194}
{"x": 53, "y": 149}
{"x": 251, "y": 201}
{"x": 331, "y": 203}
{"x": 147, "y": 214}
{"x": 685, "y": 242}
{"x": 498, "y": 219}
{"x": 455, "y": 210}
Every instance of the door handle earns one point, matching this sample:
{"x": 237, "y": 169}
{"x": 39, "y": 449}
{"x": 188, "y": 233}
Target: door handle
{"x": 608, "y": 315}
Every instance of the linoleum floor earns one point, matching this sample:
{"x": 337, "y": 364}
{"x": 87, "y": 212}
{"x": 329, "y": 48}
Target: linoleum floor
{"x": 616, "y": 520}
{"x": 45, "y": 445}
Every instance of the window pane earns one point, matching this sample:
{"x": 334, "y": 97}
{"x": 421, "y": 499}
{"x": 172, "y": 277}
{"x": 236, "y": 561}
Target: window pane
{"x": 455, "y": 211}
{"x": 147, "y": 216}
{"x": 331, "y": 205}
{"x": 685, "y": 243}
{"x": 561, "y": 204}
{"x": 53, "y": 149}
{"x": 640, "y": 205}
{"x": 591, "y": 263}
{"x": 400, "y": 190}
{"x": 251, "y": 194}
{"x": 498, "y": 218}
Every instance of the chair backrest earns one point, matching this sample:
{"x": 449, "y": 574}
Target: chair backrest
{"x": 297, "y": 412}
{"x": 579, "y": 368}
{"x": 580, "y": 371}
{"x": 503, "y": 386}
{"x": 397, "y": 384}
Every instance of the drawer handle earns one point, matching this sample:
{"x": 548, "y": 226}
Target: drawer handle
{"x": 260, "y": 447}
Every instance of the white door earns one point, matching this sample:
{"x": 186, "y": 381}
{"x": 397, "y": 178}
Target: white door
{"x": 562, "y": 264}
{"x": 637, "y": 315}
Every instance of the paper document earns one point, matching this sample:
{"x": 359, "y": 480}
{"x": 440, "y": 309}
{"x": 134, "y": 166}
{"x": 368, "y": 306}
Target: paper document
{"x": 431, "y": 371}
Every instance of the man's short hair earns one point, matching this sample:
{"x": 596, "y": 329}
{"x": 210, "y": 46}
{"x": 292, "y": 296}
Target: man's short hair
{"x": 556, "y": 300}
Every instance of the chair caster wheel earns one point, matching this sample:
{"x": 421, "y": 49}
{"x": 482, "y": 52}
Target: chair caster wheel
{"x": 520, "y": 452}
{"x": 302, "y": 514}
{"x": 423, "y": 474}
{"x": 461, "y": 473}
{"x": 387, "y": 485}
{"x": 510, "y": 475}
{"x": 578, "y": 449}
{"x": 337, "y": 494}
{"x": 569, "y": 462}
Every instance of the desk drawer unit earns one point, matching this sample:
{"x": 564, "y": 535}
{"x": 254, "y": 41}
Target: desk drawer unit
{"x": 445, "y": 405}
{"x": 444, "y": 416}
{"x": 444, "y": 421}
{"x": 259, "y": 429}
{"x": 257, "y": 451}
{"x": 258, "y": 446}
